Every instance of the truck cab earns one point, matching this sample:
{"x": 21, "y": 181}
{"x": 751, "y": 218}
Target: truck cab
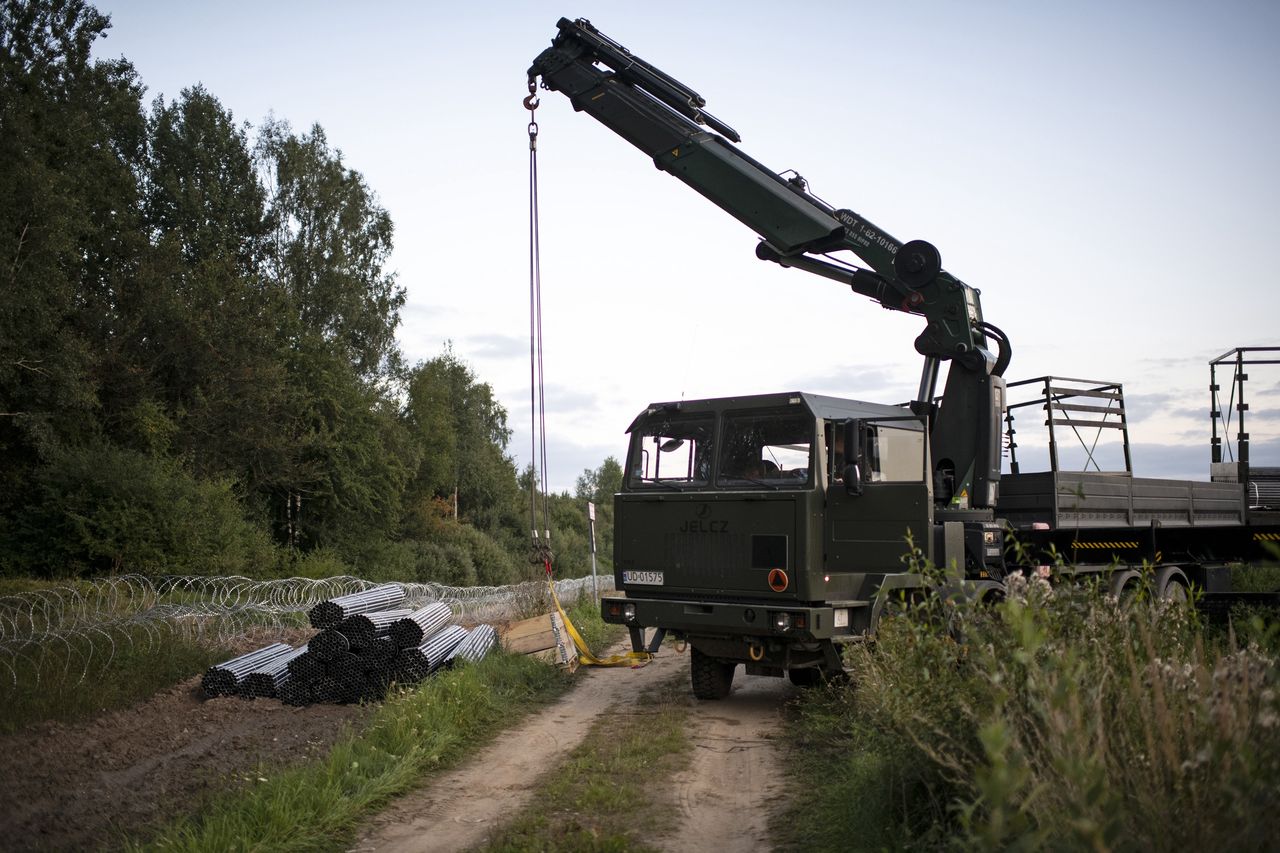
{"x": 760, "y": 529}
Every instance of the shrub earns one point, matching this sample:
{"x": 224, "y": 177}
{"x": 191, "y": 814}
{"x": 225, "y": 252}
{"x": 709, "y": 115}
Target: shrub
{"x": 1063, "y": 717}
{"x": 1059, "y": 718}
{"x": 103, "y": 509}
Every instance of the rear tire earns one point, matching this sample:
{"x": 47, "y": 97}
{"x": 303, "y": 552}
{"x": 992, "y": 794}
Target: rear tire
{"x": 712, "y": 679}
{"x": 1171, "y": 584}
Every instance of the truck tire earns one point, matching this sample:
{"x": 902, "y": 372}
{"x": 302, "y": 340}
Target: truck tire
{"x": 1171, "y": 584}
{"x": 712, "y": 679}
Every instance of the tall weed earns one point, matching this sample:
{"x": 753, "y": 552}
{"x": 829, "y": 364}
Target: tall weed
{"x": 1059, "y": 717}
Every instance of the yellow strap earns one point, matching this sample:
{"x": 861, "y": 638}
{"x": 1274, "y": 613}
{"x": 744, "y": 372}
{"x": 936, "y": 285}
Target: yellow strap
{"x": 632, "y": 659}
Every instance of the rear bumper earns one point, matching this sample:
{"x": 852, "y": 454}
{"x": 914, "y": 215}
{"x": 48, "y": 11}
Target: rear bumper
{"x": 775, "y": 621}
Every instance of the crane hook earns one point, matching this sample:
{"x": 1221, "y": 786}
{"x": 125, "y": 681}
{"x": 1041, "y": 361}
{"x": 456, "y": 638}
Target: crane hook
{"x": 531, "y": 102}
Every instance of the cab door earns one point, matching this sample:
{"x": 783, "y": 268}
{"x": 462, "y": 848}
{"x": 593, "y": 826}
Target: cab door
{"x": 892, "y": 499}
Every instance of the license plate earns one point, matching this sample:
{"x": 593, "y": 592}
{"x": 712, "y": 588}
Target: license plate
{"x": 646, "y": 578}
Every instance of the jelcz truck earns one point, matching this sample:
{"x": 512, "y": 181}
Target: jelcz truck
{"x": 769, "y": 530}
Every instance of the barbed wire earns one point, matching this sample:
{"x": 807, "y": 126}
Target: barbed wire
{"x": 81, "y": 628}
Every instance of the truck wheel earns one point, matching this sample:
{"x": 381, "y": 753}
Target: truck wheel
{"x": 712, "y": 679}
{"x": 1171, "y": 584}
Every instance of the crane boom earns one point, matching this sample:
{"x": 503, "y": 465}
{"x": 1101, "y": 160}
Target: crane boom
{"x": 667, "y": 121}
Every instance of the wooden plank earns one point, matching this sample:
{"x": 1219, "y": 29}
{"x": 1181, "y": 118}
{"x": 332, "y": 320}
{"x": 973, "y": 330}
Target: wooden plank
{"x": 533, "y": 635}
{"x": 543, "y": 637}
{"x": 535, "y": 625}
{"x": 531, "y": 642}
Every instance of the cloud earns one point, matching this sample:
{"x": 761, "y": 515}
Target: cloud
{"x": 1140, "y": 407}
{"x": 496, "y": 346}
{"x": 876, "y": 383}
{"x": 1268, "y": 391}
{"x": 561, "y": 401}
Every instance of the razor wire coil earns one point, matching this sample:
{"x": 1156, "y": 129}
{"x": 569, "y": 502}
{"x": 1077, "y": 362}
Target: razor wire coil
{"x": 78, "y": 628}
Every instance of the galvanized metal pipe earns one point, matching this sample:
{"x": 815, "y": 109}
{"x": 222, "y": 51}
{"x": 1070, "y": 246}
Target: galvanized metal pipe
{"x": 329, "y": 645}
{"x": 306, "y": 667}
{"x": 362, "y": 628}
{"x": 478, "y": 642}
{"x": 413, "y": 629}
{"x": 223, "y": 679}
{"x": 265, "y": 680}
{"x": 417, "y": 663}
{"x": 327, "y": 614}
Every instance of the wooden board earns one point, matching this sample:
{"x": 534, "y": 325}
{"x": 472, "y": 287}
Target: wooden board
{"x": 543, "y": 637}
{"x": 533, "y": 635}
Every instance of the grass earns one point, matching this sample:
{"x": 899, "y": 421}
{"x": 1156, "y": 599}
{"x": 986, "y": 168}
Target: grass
{"x": 1058, "y": 718}
{"x": 413, "y": 734}
{"x": 89, "y": 675}
{"x": 1258, "y": 578}
{"x": 608, "y": 793}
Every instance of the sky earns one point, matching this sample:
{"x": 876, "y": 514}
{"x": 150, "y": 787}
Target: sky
{"x": 1104, "y": 173}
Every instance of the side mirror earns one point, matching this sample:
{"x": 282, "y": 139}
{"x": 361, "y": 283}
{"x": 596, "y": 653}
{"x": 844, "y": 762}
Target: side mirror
{"x": 853, "y": 457}
{"x": 853, "y": 479}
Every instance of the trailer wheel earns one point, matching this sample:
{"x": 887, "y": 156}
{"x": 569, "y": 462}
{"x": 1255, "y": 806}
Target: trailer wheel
{"x": 1171, "y": 584}
{"x": 712, "y": 679}
{"x": 1124, "y": 585}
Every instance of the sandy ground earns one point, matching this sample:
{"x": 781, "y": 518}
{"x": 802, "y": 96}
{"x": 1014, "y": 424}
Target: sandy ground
{"x": 726, "y": 795}
{"x": 729, "y": 792}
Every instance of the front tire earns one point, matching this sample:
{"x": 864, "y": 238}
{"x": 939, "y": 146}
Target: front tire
{"x": 711, "y": 679}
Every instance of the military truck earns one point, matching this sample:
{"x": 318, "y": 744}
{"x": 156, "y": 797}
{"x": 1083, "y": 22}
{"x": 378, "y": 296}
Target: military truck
{"x": 769, "y": 530}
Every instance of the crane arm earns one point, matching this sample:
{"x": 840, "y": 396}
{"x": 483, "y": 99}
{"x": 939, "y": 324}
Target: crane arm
{"x": 667, "y": 121}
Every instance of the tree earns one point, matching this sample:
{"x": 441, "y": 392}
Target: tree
{"x": 601, "y": 484}
{"x": 210, "y": 336}
{"x": 462, "y": 431}
{"x": 330, "y": 241}
{"x": 72, "y": 136}
{"x": 599, "y": 487}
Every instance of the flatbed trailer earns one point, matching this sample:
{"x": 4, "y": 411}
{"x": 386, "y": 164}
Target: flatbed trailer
{"x": 1194, "y": 532}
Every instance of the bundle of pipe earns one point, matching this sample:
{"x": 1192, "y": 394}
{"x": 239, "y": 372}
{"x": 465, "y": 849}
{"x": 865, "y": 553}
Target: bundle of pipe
{"x": 327, "y": 614}
{"x": 378, "y": 655}
{"x": 224, "y": 678}
{"x": 264, "y": 681}
{"x": 409, "y": 632}
{"x": 329, "y": 645}
{"x": 479, "y": 640}
{"x": 417, "y": 663}
{"x": 363, "y": 628}
{"x": 307, "y": 666}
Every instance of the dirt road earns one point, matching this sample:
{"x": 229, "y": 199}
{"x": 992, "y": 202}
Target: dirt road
{"x": 735, "y": 780}
{"x": 726, "y": 794}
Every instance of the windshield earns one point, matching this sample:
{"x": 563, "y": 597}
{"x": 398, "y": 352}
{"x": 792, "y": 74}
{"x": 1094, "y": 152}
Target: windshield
{"x": 672, "y": 452}
{"x": 769, "y": 449}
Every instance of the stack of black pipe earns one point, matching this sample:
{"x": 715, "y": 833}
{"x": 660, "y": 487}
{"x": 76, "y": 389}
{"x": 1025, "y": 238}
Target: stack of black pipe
{"x": 266, "y": 679}
{"x": 224, "y": 679}
{"x": 364, "y": 643}
{"x": 411, "y": 630}
{"x": 415, "y": 664}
